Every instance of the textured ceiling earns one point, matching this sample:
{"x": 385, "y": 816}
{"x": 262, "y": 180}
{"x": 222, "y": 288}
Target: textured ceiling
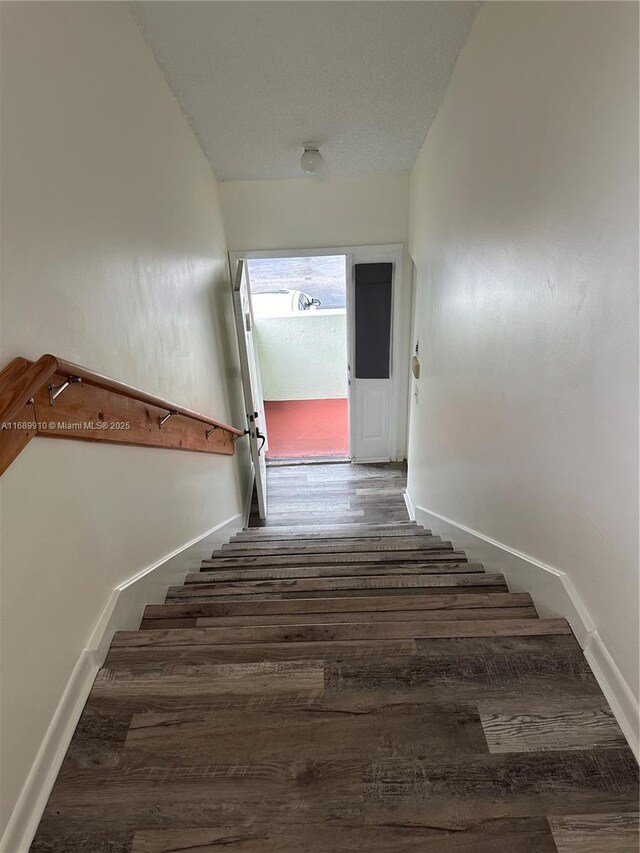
{"x": 258, "y": 79}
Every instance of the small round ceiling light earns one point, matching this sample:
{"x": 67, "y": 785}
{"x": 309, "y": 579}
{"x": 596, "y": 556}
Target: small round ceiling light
{"x": 312, "y": 160}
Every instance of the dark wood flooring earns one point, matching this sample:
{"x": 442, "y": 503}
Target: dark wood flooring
{"x": 338, "y": 679}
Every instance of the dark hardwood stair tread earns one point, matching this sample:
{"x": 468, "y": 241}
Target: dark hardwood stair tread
{"x": 206, "y": 581}
{"x": 335, "y": 531}
{"x": 329, "y": 571}
{"x": 429, "y": 585}
{"x": 381, "y": 543}
{"x": 354, "y": 631}
{"x": 548, "y": 661}
{"x": 346, "y": 617}
{"x": 375, "y": 604}
{"x": 435, "y": 555}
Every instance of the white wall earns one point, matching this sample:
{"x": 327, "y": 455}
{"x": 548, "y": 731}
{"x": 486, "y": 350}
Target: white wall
{"x": 524, "y": 231}
{"x": 303, "y": 355}
{"x": 113, "y": 256}
{"x": 313, "y": 213}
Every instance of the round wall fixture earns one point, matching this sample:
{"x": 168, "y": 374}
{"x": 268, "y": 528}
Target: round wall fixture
{"x": 311, "y": 160}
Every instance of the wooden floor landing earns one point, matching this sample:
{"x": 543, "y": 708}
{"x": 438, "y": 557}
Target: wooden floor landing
{"x": 341, "y": 680}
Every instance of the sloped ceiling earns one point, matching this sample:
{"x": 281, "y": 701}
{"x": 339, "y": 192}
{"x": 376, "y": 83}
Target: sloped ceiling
{"x": 258, "y": 79}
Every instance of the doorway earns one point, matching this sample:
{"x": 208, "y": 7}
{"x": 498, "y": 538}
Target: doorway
{"x": 300, "y": 321}
{"x": 331, "y": 346}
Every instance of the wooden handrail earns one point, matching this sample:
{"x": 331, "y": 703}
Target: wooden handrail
{"x": 107, "y": 384}
{"x": 89, "y": 406}
{"x": 19, "y": 382}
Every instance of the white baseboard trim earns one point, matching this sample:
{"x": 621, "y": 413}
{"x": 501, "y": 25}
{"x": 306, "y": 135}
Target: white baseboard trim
{"x": 554, "y": 595}
{"x": 24, "y": 820}
{"x": 614, "y": 686}
{"x": 123, "y": 612}
{"x": 409, "y": 504}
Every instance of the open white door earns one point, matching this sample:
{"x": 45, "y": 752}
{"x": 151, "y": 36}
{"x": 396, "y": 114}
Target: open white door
{"x": 373, "y": 277}
{"x": 251, "y": 383}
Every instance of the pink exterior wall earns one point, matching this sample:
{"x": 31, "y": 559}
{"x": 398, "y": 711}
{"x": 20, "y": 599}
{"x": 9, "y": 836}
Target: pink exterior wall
{"x": 307, "y": 428}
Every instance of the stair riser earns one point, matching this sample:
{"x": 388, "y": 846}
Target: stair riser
{"x": 394, "y": 527}
{"x": 333, "y": 633}
{"x": 271, "y": 543}
{"x": 203, "y": 581}
{"x": 329, "y": 515}
{"x": 264, "y": 573}
{"x": 445, "y": 586}
{"x": 499, "y": 613}
{"x": 555, "y": 659}
{"x": 373, "y": 604}
{"x": 423, "y": 556}
{"x": 380, "y": 543}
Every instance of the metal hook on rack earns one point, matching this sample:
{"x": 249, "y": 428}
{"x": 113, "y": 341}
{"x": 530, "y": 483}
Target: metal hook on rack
{"x": 56, "y": 390}
{"x": 163, "y": 420}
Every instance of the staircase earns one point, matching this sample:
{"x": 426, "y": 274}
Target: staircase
{"x": 356, "y": 582}
{"x": 348, "y": 686}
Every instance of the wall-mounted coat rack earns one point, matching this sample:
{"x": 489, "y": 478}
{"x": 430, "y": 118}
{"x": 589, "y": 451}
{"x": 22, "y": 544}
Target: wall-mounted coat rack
{"x": 54, "y": 398}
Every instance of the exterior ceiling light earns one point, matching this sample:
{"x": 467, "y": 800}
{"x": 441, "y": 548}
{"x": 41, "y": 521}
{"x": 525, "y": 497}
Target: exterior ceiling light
{"x": 311, "y": 160}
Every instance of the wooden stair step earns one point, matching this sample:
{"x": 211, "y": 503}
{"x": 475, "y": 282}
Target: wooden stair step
{"x": 386, "y": 528}
{"x": 447, "y": 615}
{"x": 331, "y": 571}
{"x": 327, "y": 587}
{"x": 341, "y": 472}
{"x": 323, "y": 546}
{"x": 332, "y": 512}
{"x": 301, "y": 510}
{"x": 299, "y": 497}
{"x": 373, "y": 604}
{"x": 300, "y": 578}
{"x": 356, "y": 555}
{"x": 327, "y": 515}
{"x": 198, "y": 593}
{"x": 536, "y": 664}
{"x": 332, "y": 632}
{"x": 441, "y": 555}
{"x": 368, "y": 487}
{"x": 380, "y": 484}
{"x": 328, "y": 535}
{"x": 364, "y": 494}
{"x": 310, "y": 539}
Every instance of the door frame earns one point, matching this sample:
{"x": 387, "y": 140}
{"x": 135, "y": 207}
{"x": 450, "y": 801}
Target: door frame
{"x": 386, "y": 252}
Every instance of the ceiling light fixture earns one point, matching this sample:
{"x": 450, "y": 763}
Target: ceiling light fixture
{"x": 311, "y": 160}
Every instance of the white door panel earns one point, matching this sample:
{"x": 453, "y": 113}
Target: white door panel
{"x": 371, "y": 402}
{"x": 371, "y": 399}
{"x": 251, "y": 383}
